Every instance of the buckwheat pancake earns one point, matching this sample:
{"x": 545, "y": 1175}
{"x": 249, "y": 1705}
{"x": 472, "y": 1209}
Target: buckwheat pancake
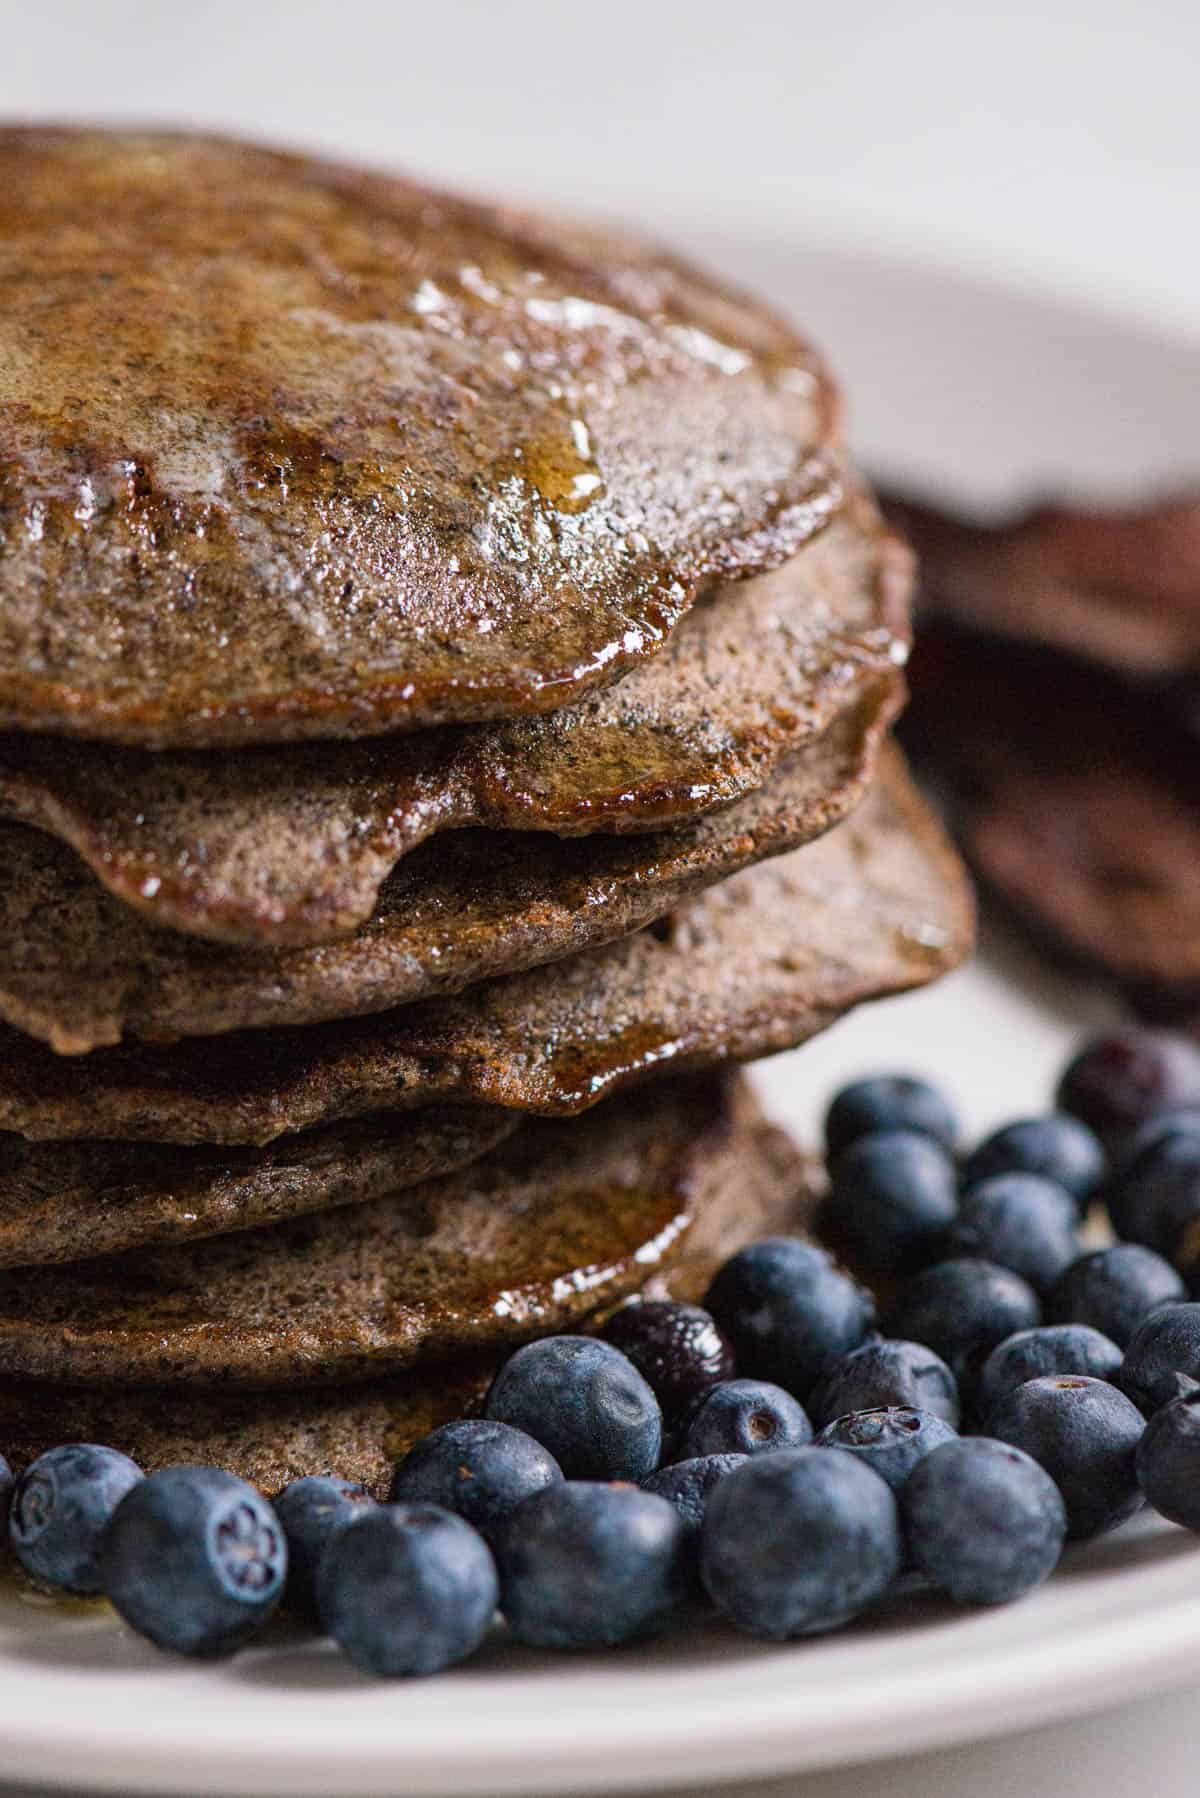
{"x": 1076, "y": 801}
{"x": 65, "y": 1201}
{"x": 81, "y": 969}
{"x": 290, "y": 845}
{"x": 292, "y": 450}
{"x": 755, "y": 1183}
{"x": 1117, "y": 586}
{"x": 557, "y": 1222}
{"x": 756, "y": 964}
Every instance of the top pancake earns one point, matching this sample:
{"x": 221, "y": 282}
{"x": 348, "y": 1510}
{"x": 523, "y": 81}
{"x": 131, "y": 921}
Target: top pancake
{"x": 292, "y": 450}
{"x": 287, "y": 846}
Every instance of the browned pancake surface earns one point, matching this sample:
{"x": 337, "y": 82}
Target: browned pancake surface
{"x": 754, "y": 1184}
{"x": 67, "y": 1201}
{"x": 756, "y": 964}
{"x": 289, "y": 846}
{"x": 80, "y": 969}
{"x": 557, "y": 1222}
{"x": 288, "y": 449}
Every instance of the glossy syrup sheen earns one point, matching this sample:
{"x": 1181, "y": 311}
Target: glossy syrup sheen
{"x": 287, "y": 449}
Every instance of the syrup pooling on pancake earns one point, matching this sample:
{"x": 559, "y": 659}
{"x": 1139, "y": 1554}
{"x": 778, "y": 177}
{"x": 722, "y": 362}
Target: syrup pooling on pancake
{"x": 291, "y": 450}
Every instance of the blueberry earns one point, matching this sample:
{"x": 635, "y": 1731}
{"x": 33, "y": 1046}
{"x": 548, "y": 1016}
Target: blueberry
{"x": 1054, "y": 1348}
{"x": 789, "y": 1310}
{"x": 688, "y": 1485}
{"x": 1118, "y": 1081}
{"x": 477, "y": 1468}
{"x": 1114, "y": 1289}
{"x": 893, "y": 1197}
{"x": 584, "y": 1565}
{"x": 1019, "y": 1221}
{"x": 311, "y": 1510}
{"x": 889, "y": 1442}
{"x": 1168, "y": 1461}
{"x": 677, "y": 1349}
{"x": 61, "y": 1507}
{"x": 746, "y": 1417}
{"x": 7, "y": 1486}
{"x": 799, "y": 1542}
{"x": 888, "y": 1102}
{"x": 1163, "y": 1356}
{"x": 195, "y": 1560}
{"x": 962, "y": 1309}
{"x": 1152, "y": 1137}
{"x": 1059, "y": 1147}
{"x": 1155, "y": 1195}
{"x": 584, "y": 1401}
{"x": 407, "y": 1590}
{"x": 1085, "y": 1433}
{"x": 985, "y": 1522}
{"x": 886, "y": 1373}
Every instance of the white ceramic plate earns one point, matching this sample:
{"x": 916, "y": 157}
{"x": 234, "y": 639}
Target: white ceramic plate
{"x": 987, "y": 393}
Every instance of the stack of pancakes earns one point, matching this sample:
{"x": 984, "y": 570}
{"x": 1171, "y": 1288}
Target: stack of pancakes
{"x": 446, "y": 667}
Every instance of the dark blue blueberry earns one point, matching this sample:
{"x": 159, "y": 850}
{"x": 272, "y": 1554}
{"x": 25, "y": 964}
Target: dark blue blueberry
{"x": 195, "y": 1560}
{"x": 1168, "y": 1461}
{"x": 746, "y": 1417}
{"x": 407, "y": 1590}
{"x": 886, "y": 1373}
{"x": 1058, "y": 1146}
{"x": 894, "y": 1196}
{"x": 799, "y": 1542}
{"x": 889, "y": 1102}
{"x": 477, "y": 1468}
{"x": 584, "y": 1565}
{"x": 61, "y": 1506}
{"x": 985, "y": 1522}
{"x": 1114, "y": 1290}
{"x": 584, "y": 1401}
{"x": 1163, "y": 1356}
{"x": 1118, "y": 1081}
{"x": 311, "y": 1510}
{"x": 1085, "y": 1433}
{"x": 687, "y": 1485}
{"x": 1152, "y": 1137}
{"x": 7, "y": 1486}
{"x": 961, "y": 1310}
{"x": 1021, "y": 1222}
{"x": 890, "y": 1442}
{"x": 1155, "y": 1197}
{"x": 789, "y": 1310}
{"x": 677, "y": 1349}
{"x": 1054, "y": 1348}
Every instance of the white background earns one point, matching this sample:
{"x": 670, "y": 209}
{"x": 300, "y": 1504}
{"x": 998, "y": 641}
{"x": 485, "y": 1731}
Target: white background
{"x": 1059, "y": 141}
{"x": 1056, "y": 146}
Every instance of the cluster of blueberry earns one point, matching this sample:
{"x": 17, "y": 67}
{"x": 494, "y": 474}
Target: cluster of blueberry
{"x": 772, "y": 1452}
